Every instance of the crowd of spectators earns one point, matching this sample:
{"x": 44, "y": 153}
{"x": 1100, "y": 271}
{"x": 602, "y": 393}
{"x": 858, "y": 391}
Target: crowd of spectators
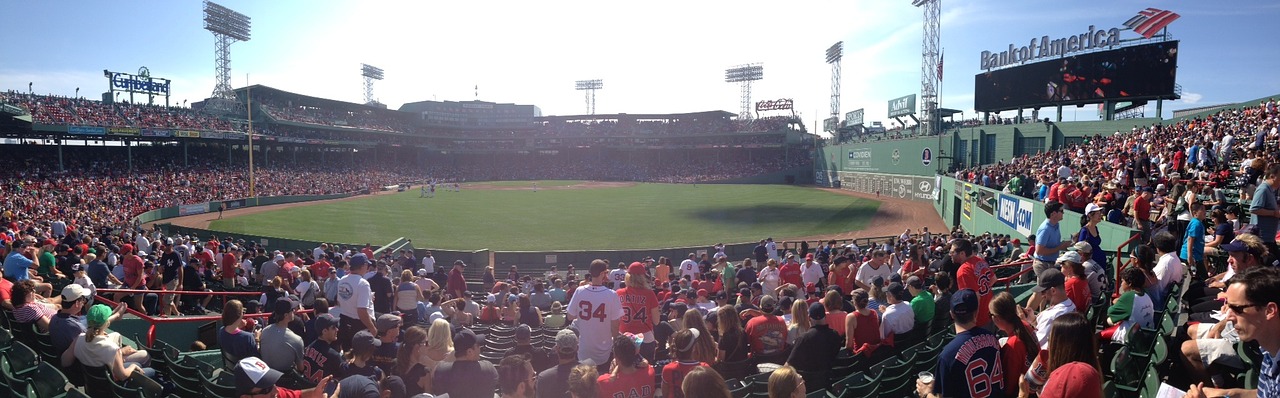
{"x": 49, "y": 109}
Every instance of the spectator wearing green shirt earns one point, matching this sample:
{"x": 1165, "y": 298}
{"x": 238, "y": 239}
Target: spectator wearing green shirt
{"x": 922, "y": 302}
{"x": 48, "y": 261}
{"x": 729, "y": 274}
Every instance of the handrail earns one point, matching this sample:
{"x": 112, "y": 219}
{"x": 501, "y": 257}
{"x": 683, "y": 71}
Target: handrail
{"x": 1120, "y": 266}
{"x": 151, "y": 331}
{"x": 1008, "y": 280}
{"x": 1012, "y": 263}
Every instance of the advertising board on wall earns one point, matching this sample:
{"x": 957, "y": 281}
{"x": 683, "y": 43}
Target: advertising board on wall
{"x": 1016, "y": 213}
{"x": 199, "y": 208}
{"x": 920, "y": 188}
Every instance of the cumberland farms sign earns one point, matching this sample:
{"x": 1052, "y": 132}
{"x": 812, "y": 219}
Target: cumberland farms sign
{"x": 1045, "y": 48}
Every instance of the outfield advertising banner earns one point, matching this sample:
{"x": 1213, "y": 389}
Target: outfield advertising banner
{"x": 186, "y": 134}
{"x": 156, "y": 133}
{"x": 123, "y": 131}
{"x": 902, "y": 106}
{"x": 234, "y": 204}
{"x": 186, "y": 210}
{"x": 920, "y": 188}
{"x": 1016, "y": 213}
{"x": 86, "y": 130}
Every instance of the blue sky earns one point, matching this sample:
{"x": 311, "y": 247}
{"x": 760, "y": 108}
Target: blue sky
{"x": 656, "y": 56}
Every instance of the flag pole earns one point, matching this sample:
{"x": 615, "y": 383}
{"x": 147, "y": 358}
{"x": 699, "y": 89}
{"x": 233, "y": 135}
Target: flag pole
{"x": 248, "y": 104}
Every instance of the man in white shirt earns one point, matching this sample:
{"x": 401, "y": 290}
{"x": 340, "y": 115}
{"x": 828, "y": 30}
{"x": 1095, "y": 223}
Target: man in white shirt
{"x": 874, "y": 267}
{"x": 810, "y": 271}
{"x": 772, "y": 248}
{"x": 1052, "y": 288}
{"x": 719, "y": 252}
{"x": 689, "y": 267}
{"x": 429, "y": 263}
{"x": 319, "y": 251}
{"x": 597, "y": 313}
{"x": 355, "y": 302}
{"x": 1168, "y": 268}
{"x": 898, "y": 317}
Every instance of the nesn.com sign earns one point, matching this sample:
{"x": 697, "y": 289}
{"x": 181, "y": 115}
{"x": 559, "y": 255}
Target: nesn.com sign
{"x": 1016, "y": 213}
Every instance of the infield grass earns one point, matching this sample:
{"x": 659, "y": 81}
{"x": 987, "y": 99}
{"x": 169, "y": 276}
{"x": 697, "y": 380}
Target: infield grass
{"x": 643, "y": 216}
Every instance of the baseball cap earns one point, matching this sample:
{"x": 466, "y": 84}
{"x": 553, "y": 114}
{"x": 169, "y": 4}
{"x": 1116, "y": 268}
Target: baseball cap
{"x": 464, "y": 340}
{"x": 1092, "y": 207}
{"x": 808, "y": 256}
{"x": 566, "y": 342}
{"x": 915, "y": 282}
{"x": 878, "y": 281}
{"x": 1083, "y": 246}
{"x": 387, "y": 322}
{"x": 817, "y": 312}
{"x": 128, "y": 248}
{"x": 252, "y": 373}
{"x": 491, "y": 299}
{"x": 1073, "y": 379}
{"x": 422, "y": 272}
{"x": 768, "y": 304}
{"x": 897, "y": 290}
{"x": 1017, "y": 242}
{"x": 702, "y": 292}
{"x": 97, "y": 315}
{"x": 364, "y": 342}
{"x": 964, "y": 301}
{"x": 523, "y": 331}
{"x": 358, "y": 260}
{"x": 1050, "y": 277}
{"x": 281, "y": 307}
{"x": 1235, "y": 246}
{"x": 325, "y": 321}
{"x": 811, "y": 287}
{"x": 74, "y": 292}
{"x": 636, "y": 268}
{"x": 358, "y": 386}
{"x": 1070, "y": 256}
{"x": 459, "y": 262}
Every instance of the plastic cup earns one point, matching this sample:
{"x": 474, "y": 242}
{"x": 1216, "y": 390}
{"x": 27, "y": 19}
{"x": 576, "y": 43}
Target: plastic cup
{"x": 926, "y": 377}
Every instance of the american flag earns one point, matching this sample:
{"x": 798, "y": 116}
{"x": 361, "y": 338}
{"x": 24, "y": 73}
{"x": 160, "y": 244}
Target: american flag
{"x": 1148, "y": 22}
{"x": 942, "y": 54}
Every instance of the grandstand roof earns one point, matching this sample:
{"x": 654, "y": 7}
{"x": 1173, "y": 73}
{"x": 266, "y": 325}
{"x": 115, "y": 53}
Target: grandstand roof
{"x": 300, "y": 99}
{"x": 628, "y": 116}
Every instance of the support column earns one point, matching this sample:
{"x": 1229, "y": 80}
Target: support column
{"x": 185, "y": 161}
{"x": 61, "y": 167}
{"x": 1059, "y": 113}
{"x": 1159, "y": 108}
{"x": 129, "y": 151}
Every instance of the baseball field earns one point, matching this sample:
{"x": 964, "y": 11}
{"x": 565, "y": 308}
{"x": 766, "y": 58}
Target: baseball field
{"x": 567, "y": 215}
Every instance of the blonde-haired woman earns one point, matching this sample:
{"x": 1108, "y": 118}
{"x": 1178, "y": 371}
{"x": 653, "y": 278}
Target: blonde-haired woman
{"x": 770, "y": 279}
{"x": 785, "y": 382}
{"x": 439, "y": 344}
{"x": 408, "y": 295}
{"x": 799, "y": 321}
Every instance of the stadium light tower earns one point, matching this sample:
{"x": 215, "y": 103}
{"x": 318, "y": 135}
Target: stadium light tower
{"x": 834, "y": 54}
{"x": 930, "y": 62}
{"x": 228, "y": 27}
{"x": 370, "y": 74}
{"x": 744, "y": 75}
{"x": 590, "y": 87}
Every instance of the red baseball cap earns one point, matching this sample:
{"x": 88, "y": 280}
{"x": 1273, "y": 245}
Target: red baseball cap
{"x": 808, "y": 256}
{"x": 702, "y": 292}
{"x": 811, "y": 287}
{"x": 636, "y": 268}
{"x": 1073, "y": 380}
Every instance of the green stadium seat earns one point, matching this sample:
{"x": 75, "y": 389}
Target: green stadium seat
{"x": 22, "y": 360}
{"x": 223, "y": 384}
{"x": 119, "y": 390}
{"x": 857, "y": 385}
{"x": 74, "y": 393}
{"x": 47, "y": 381}
{"x": 185, "y": 374}
{"x": 97, "y": 381}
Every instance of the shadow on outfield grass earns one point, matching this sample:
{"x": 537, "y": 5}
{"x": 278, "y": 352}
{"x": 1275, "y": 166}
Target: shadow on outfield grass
{"x": 780, "y": 214}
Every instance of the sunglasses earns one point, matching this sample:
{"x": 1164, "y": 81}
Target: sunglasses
{"x": 1239, "y": 309}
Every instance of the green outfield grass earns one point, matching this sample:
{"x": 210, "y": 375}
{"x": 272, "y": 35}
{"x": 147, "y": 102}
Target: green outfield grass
{"x": 644, "y": 216}
{"x": 543, "y": 183}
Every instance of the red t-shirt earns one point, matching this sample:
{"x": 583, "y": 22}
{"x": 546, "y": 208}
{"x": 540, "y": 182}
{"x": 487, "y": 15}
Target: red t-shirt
{"x": 1142, "y": 206}
{"x": 229, "y": 265}
{"x": 767, "y": 335}
{"x": 637, "y": 310}
{"x": 1078, "y": 291}
{"x": 320, "y": 270}
{"x": 205, "y": 257}
{"x": 867, "y": 331}
{"x": 974, "y": 274}
{"x": 637, "y": 384}
{"x": 132, "y": 271}
{"x": 1013, "y": 357}
{"x": 841, "y": 279}
{"x": 6, "y": 290}
{"x": 790, "y": 273}
{"x": 673, "y": 376}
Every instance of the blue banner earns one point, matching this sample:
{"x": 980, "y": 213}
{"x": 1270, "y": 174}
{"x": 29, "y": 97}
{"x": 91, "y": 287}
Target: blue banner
{"x": 86, "y": 130}
{"x": 156, "y": 133}
{"x": 1017, "y": 213}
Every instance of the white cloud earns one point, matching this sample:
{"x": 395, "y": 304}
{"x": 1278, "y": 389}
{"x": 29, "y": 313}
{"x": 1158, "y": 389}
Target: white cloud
{"x": 1191, "y": 98}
